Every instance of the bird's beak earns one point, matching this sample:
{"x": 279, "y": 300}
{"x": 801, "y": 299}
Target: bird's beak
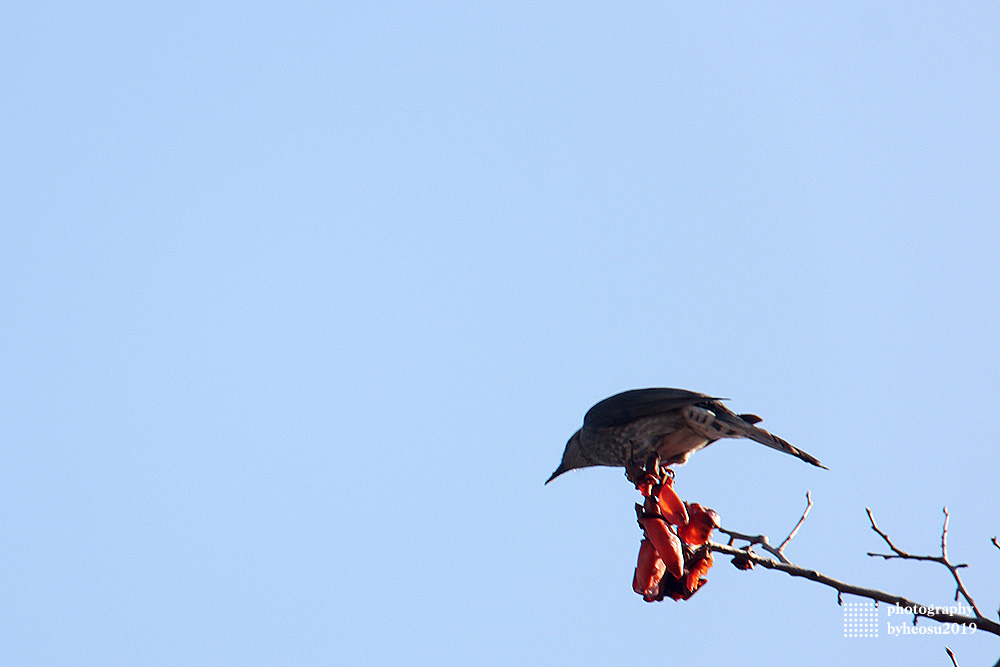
{"x": 569, "y": 456}
{"x": 560, "y": 470}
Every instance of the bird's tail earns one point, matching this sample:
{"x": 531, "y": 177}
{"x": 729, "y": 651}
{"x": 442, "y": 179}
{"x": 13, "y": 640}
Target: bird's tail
{"x": 716, "y": 425}
{"x": 767, "y": 438}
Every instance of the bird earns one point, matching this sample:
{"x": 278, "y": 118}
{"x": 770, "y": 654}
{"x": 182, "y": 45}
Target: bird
{"x": 625, "y": 429}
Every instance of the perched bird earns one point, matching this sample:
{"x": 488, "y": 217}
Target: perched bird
{"x": 626, "y": 428}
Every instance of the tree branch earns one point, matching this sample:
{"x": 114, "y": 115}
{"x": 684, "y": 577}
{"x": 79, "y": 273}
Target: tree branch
{"x": 842, "y": 587}
{"x": 781, "y": 563}
{"x": 802, "y": 520}
{"x": 943, "y": 559}
{"x": 779, "y": 551}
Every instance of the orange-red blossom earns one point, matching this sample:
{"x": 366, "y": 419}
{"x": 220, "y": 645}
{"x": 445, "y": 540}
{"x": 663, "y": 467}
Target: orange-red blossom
{"x": 673, "y": 558}
{"x": 648, "y": 571}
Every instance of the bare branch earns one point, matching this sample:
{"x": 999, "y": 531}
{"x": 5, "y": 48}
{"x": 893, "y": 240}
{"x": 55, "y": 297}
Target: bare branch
{"x": 805, "y": 513}
{"x": 899, "y": 554}
{"x": 779, "y": 551}
{"x": 942, "y": 559}
{"x": 755, "y": 539}
{"x": 951, "y": 654}
{"x": 995, "y": 543}
{"x": 944, "y": 535}
{"x": 933, "y": 613}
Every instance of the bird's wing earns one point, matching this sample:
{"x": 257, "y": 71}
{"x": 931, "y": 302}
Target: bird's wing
{"x": 635, "y": 404}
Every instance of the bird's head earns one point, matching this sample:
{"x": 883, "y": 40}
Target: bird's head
{"x": 571, "y": 458}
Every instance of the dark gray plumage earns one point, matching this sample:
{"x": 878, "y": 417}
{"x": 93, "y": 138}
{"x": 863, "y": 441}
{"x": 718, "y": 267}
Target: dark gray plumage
{"x": 627, "y": 427}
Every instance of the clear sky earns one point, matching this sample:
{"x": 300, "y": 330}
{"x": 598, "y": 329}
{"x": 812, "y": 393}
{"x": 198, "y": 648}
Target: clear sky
{"x": 302, "y": 301}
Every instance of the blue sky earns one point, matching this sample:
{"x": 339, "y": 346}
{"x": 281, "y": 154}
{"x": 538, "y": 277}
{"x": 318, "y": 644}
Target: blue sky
{"x": 303, "y": 301}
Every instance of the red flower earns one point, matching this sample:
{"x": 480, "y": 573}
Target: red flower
{"x": 678, "y": 591}
{"x": 699, "y": 529}
{"x": 700, "y": 564}
{"x": 667, "y": 544}
{"x": 671, "y": 506}
{"x": 672, "y": 528}
{"x": 648, "y": 572}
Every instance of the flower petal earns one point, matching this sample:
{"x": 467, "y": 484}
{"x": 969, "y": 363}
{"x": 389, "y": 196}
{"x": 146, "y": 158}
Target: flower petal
{"x": 671, "y": 506}
{"x": 667, "y": 544}
{"x": 699, "y": 528}
{"x": 709, "y": 516}
{"x": 684, "y": 593}
{"x": 699, "y": 565}
{"x": 648, "y": 571}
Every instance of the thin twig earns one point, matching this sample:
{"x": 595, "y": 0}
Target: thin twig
{"x": 951, "y": 654}
{"x": 942, "y": 559}
{"x": 805, "y": 513}
{"x": 995, "y": 543}
{"x": 885, "y": 537}
{"x": 944, "y": 534}
{"x": 779, "y": 551}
